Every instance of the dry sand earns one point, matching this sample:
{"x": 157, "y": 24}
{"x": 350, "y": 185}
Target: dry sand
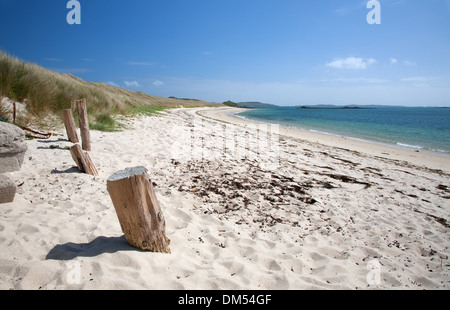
{"x": 244, "y": 208}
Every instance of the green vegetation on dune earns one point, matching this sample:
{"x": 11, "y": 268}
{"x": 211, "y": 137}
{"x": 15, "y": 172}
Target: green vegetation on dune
{"x": 146, "y": 110}
{"x": 247, "y": 105}
{"x": 47, "y": 92}
{"x": 231, "y": 104}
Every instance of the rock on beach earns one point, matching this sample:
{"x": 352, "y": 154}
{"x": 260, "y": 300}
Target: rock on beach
{"x": 12, "y": 147}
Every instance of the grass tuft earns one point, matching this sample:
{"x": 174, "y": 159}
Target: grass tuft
{"x": 104, "y": 122}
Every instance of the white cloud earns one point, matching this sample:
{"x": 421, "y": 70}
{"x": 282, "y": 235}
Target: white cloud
{"x": 158, "y": 83}
{"x": 353, "y": 63}
{"x": 422, "y": 81}
{"x": 410, "y": 63}
{"x": 144, "y": 64}
{"x": 361, "y": 80}
{"x": 71, "y": 70}
{"x": 348, "y": 9}
{"x": 342, "y": 11}
{"x": 418, "y": 79}
{"x": 112, "y": 83}
{"x": 132, "y": 84}
{"x": 394, "y": 61}
{"x": 53, "y": 59}
{"x": 398, "y": 2}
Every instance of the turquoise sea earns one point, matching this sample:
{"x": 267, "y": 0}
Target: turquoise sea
{"x": 418, "y": 128}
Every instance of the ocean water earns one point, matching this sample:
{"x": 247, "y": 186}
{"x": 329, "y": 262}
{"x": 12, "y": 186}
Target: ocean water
{"x": 417, "y": 128}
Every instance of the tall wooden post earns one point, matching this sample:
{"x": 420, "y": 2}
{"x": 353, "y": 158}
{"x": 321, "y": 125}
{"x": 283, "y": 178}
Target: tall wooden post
{"x": 84, "y": 125}
{"x": 71, "y": 129}
{"x": 138, "y": 210}
{"x": 14, "y": 112}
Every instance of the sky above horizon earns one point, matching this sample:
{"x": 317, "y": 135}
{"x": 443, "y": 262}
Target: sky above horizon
{"x": 284, "y": 52}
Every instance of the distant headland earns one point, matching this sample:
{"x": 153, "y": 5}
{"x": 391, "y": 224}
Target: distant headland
{"x": 248, "y": 105}
{"x": 332, "y": 107}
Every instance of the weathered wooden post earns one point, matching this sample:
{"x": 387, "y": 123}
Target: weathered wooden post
{"x": 14, "y": 112}
{"x": 84, "y": 125}
{"x": 71, "y": 129}
{"x": 83, "y": 160}
{"x": 138, "y": 210}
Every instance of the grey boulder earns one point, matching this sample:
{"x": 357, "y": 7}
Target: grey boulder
{"x": 12, "y": 147}
{"x": 7, "y": 189}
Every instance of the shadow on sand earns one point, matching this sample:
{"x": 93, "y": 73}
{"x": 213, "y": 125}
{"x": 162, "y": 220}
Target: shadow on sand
{"x": 70, "y": 170}
{"x": 100, "y": 245}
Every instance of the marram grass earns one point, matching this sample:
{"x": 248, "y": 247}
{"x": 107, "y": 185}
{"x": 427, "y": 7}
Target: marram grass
{"x": 47, "y": 92}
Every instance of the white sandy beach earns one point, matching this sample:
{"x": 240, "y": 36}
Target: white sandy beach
{"x": 331, "y": 213}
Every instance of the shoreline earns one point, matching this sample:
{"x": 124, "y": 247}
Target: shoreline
{"x": 363, "y": 140}
{"x": 429, "y": 159}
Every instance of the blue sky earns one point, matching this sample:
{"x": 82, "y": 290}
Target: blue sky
{"x": 286, "y": 52}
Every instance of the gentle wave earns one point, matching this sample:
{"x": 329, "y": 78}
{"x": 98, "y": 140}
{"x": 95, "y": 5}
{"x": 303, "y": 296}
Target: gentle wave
{"x": 414, "y": 147}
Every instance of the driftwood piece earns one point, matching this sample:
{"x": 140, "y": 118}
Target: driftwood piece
{"x": 83, "y": 160}
{"x": 71, "y": 128}
{"x": 84, "y": 125}
{"x": 138, "y": 210}
{"x": 35, "y": 134}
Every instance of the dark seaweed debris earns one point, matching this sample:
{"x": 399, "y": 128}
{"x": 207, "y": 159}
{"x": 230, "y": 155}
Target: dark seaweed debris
{"x": 440, "y": 220}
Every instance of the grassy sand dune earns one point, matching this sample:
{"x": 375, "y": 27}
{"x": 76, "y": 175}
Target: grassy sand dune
{"x": 46, "y": 92}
